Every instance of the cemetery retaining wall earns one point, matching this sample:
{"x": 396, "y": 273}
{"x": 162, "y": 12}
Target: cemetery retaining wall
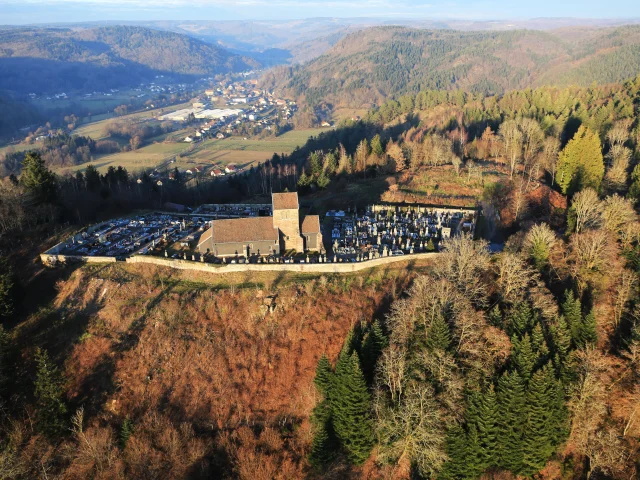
{"x": 53, "y": 259}
{"x": 278, "y": 267}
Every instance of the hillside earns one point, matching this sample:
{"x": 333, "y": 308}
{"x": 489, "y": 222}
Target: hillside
{"x": 197, "y": 363}
{"x": 370, "y": 65}
{"x": 54, "y": 60}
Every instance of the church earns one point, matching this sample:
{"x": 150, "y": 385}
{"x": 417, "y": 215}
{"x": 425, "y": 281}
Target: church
{"x": 282, "y": 232}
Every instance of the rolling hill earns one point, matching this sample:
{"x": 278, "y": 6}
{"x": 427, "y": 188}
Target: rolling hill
{"x": 370, "y": 65}
{"x": 50, "y": 60}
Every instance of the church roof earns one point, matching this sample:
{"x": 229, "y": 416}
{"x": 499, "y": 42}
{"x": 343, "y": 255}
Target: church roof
{"x": 285, "y": 201}
{"x": 311, "y": 224}
{"x": 238, "y": 230}
{"x": 206, "y": 235}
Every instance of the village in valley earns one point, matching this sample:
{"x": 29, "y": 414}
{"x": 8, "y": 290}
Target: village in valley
{"x": 269, "y": 233}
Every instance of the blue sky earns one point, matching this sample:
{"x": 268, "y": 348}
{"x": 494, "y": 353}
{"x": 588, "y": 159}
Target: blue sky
{"x": 39, "y": 11}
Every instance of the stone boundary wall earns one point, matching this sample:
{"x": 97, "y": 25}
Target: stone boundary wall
{"x": 53, "y": 259}
{"x": 278, "y": 267}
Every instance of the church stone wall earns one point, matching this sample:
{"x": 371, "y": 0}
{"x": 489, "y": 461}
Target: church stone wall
{"x": 288, "y": 222}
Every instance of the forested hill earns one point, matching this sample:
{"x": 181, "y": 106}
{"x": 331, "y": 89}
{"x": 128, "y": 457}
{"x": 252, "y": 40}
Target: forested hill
{"x": 50, "y": 60}
{"x": 370, "y": 65}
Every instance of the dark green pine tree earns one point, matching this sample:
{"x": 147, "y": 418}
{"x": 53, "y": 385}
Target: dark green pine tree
{"x": 510, "y": 422}
{"x": 49, "y": 393}
{"x": 457, "y": 467}
{"x": 561, "y": 347}
{"x": 487, "y": 428}
{"x": 350, "y": 343}
{"x": 438, "y": 334}
{"x": 324, "y": 445}
{"x": 374, "y": 342}
{"x": 539, "y": 343}
{"x": 351, "y": 409}
{"x": 538, "y": 443}
{"x": 561, "y": 339}
{"x": 474, "y": 452}
{"x": 520, "y": 319}
{"x": 8, "y": 289}
{"x": 126, "y": 430}
{"x": 39, "y": 182}
{"x": 495, "y": 317}
{"x": 587, "y": 331}
{"x": 572, "y": 312}
{"x": 324, "y": 376}
{"x": 559, "y": 419}
{"x": 524, "y": 356}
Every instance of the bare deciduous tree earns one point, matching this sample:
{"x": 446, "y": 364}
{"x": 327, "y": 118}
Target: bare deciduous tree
{"x": 606, "y": 452}
{"x": 463, "y": 262}
{"x": 587, "y": 208}
{"x": 550, "y": 151}
{"x": 591, "y": 253}
{"x": 617, "y": 212}
{"x": 391, "y": 370}
{"x": 411, "y": 433}
{"x": 514, "y": 276}
{"x": 512, "y": 140}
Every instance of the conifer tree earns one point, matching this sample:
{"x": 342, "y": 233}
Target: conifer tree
{"x": 324, "y": 376}
{"x": 559, "y": 428}
{"x": 474, "y": 453}
{"x": 324, "y": 442}
{"x": 520, "y": 318}
{"x": 561, "y": 350}
{"x": 572, "y": 312}
{"x": 510, "y": 422}
{"x": 561, "y": 339}
{"x": 457, "y": 466}
{"x": 376, "y": 145}
{"x": 438, "y": 334}
{"x": 351, "y": 409}
{"x": 587, "y": 331}
{"x": 372, "y": 345}
{"x": 539, "y": 344}
{"x": 580, "y": 164}
{"x": 49, "y": 393}
{"x": 524, "y": 356}
{"x": 487, "y": 428}
{"x": 39, "y": 182}
{"x": 538, "y": 433}
{"x": 495, "y": 317}
{"x": 126, "y": 430}
{"x": 430, "y": 246}
{"x": 7, "y": 289}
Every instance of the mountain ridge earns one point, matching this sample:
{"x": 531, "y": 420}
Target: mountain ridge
{"x": 368, "y": 66}
{"x": 31, "y": 58}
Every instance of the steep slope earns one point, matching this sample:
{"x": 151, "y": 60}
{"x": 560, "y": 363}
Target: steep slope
{"x": 367, "y": 66}
{"x": 59, "y": 59}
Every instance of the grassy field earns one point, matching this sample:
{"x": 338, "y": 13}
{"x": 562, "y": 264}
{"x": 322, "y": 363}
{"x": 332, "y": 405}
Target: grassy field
{"x": 285, "y": 143}
{"x": 145, "y": 157}
{"x": 210, "y": 152}
{"x": 19, "y": 147}
{"x": 94, "y": 104}
{"x": 340, "y": 114}
{"x": 96, "y": 129}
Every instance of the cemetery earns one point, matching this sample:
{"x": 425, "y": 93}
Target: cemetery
{"x": 387, "y": 230}
{"x": 376, "y": 232}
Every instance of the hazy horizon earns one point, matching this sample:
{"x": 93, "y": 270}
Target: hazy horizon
{"x": 74, "y": 11}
